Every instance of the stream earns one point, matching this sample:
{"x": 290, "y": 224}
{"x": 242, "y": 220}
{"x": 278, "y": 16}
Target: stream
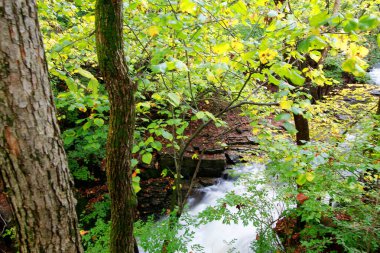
{"x": 374, "y": 74}
{"x": 216, "y": 237}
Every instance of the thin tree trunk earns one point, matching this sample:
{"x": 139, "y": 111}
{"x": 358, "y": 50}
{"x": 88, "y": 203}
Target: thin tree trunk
{"x": 302, "y": 126}
{"x": 301, "y": 123}
{"x": 32, "y": 158}
{"x": 121, "y": 90}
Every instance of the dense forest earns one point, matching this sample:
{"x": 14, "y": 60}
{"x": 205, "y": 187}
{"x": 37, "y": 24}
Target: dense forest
{"x": 189, "y": 126}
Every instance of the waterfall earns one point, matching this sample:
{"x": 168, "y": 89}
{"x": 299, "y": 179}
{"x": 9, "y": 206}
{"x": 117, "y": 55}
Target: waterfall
{"x": 375, "y": 74}
{"x": 217, "y": 237}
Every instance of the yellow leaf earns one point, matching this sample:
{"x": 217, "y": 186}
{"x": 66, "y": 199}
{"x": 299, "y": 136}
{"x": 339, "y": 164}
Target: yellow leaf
{"x": 261, "y": 2}
{"x": 255, "y": 131}
{"x": 240, "y": 7}
{"x": 288, "y": 158}
{"x": 153, "y": 31}
{"x": 315, "y": 55}
{"x": 286, "y": 104}
{"x": 187, "y": 6}
{"x": 356, "y": 50}
{"x": 237, "y": 46}
{"x": 310, "y": 176}
{"x": 221, "y": 48}
{"x": 267, "y": 55}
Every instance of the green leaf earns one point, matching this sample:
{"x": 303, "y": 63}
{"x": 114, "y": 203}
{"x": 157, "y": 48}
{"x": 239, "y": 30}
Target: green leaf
{"x": 136, "y": 184}
{"x": 283, "y": 116}
{"x": 135, "y": 149}
{"x": 85, "y": 73}
{"x": 134, "y": 162}
{"x": 301, "y": 179}
{"x": 87, "y": 125}
{"x": 378, "y": 39}
{"x": 200, "y": 115}
{"x": 71, "y": 84}
{"x": 296, "y": 110}
{"x": 295, "y": 77}
{"x": 319, "y": 19}
{"x": 351, "y": 25}
{"x": 99, "y": 122}
{"x": 159, "y": 68}
{"x": 273, "y": 80}
{"x": 68, "y": 140}
{"x": 167, "y": 135}
{"x": 290, "y": 128}
{"x": 312, "y": 42}
{"x": 93, "y": 86}
{"x": 174, "y": 99}
{"x": 156, "y": 145}
{"x": 149, "y": 140}
{"x": 367, "y": 22}
{"x": 147, "y": 158}
{"x": 164, "y": 172}
{"x": 181, "y": 66}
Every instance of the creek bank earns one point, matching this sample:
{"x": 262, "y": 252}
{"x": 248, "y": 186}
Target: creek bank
{"x": 221, "y": 147}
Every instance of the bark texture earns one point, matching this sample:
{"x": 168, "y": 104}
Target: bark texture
{"x": 32, "y": 159}
{"x": 302, "y": 126}
{"x": 121, "y": 90}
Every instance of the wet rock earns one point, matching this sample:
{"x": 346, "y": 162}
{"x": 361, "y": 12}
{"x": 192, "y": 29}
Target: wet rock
{"x": 155, "y": 196}
{"x": 207, "y": 181}
{"x": 233, "y": 158}
{"x": 211, "y": 165}
{"x": 243, "y": 140}
{"x": 375, "y": 93}
{"x": 342, "y": 117}
{"x": 214, "y": 151}
{"x": 354, "y": 101}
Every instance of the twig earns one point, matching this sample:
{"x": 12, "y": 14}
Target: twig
{"x": 191, "y": 182}
{"x": 75, "y": 41}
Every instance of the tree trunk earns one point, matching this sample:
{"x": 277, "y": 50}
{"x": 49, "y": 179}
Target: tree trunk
{"x": 32, "y": 159}
{"x": 121, "y": 90}
{"x": 302, "y": 126}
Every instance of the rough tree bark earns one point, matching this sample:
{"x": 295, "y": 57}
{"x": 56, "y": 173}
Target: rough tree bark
{"x": 121, "y": 90}
{"x": 302, "y": 126}
{"x": 32, "y": 159}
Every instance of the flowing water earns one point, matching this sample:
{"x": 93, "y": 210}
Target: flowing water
{"x": 375, "y": 74}
{"x": 215, "y": 236}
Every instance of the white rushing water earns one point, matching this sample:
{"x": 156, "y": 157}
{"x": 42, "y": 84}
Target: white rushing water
{"x": 215, "y": 237}
{"x": 375, "y": 74}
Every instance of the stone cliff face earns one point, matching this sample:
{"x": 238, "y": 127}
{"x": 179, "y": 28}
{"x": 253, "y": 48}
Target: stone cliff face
{"x": 155, "y": 196}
